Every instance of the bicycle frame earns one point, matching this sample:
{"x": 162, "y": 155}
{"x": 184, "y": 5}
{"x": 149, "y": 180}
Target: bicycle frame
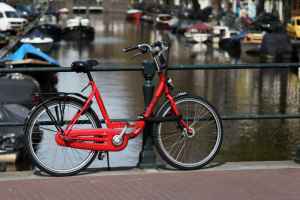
{"x": 101, "y": 139}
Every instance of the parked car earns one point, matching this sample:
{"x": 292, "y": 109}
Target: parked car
{"x": 293, "y": 27}
{"x": 9, "y": 19}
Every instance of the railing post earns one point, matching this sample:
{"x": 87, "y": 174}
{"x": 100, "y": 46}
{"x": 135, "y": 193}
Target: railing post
{"x": 147, "y": 155}
{"x": 297, "y": 156}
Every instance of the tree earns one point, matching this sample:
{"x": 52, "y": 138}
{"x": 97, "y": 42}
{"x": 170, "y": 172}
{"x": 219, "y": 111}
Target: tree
{"x": 196, "y": 5}
{"x": 216, "y": 4}
{"x": 260, "y": 6}
{"x": 287, "y": 10}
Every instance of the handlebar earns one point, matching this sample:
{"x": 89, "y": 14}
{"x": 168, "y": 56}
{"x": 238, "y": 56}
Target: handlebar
{"x": 154, "y": 48}
{"x": 157, "y": 49}
{"x": 130, "y": 49}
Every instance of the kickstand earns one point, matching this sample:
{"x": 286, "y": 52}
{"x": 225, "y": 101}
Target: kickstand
{"x": 107, "y": 159}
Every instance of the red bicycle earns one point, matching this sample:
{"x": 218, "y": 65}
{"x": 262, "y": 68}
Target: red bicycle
{"x": 64, "y": 135}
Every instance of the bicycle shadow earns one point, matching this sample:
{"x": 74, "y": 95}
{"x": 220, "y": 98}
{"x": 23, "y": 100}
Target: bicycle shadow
{"x": 89, "y": 171}
{"x": 208, "y": 166}
{"x": 92, "y": 171}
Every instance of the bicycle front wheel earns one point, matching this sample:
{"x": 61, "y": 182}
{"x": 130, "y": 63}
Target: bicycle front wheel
{"x": 41, "y": 129}
{"x": 189, "y": 151}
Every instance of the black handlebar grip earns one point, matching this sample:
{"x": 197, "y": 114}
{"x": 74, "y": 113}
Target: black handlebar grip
{"x": 130, "y": 49}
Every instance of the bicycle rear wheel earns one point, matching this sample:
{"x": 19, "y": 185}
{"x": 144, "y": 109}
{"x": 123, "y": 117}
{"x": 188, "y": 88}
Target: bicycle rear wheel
{"x": 184, "y": 151}
{"x": 40, "y": 136}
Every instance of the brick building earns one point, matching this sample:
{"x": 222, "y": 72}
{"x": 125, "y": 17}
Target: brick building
{"x": 295, "y": 7}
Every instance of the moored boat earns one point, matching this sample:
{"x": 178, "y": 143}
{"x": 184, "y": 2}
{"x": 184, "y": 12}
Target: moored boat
{"x": 165, "y": 21}
{"x": 182, "y": 26}
{"x": 63, "y": 11}
{"x": 197, "y": 37}
{"x": 134, "y": 14}
{"x": 199, "y": 32}
{"x": 43, "y": 43}
{"x": 251, "y": 41}
{"x": 220, "y": 32}
{"x": 29, "y": 56}
{"x": 39, "y": 40}
{"x": 250, "y": 46}
{"x": 79, "y": 9}
{"x": 96, "y": 9}
{"x": 51, "y": 30}
{"x": 79, "y": 28}
{"x": 147, "y": 18}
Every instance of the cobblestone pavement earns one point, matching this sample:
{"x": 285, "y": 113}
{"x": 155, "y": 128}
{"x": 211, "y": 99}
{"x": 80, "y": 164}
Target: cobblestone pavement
{"x": 238, "y": 182}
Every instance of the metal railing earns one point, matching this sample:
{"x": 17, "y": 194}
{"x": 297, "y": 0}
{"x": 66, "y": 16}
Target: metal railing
{"x": 126, "y": 67}
{"x": 147, "y": 157}
{"x": 177, "y": 67}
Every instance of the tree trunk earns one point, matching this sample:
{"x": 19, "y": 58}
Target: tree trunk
{"x": 260, "y": 6}
{"x": 287, "y": 10}
{"x": 196, "y": 5}
{"x": 216, "y": 3}
{"x": 217, "y": 8}
{"x": 168, "y": 2}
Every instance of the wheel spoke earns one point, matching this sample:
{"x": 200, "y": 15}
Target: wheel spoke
{"x": 170, "y": 136}
{"x": 175, "y": 144}
{"x": 47, "y": 129}
{"x": 204, "y": 126}
{"x": 52, "y": 119}
{"x": 181, "y": 149}
{"x": 48, "y": 155}
{"x": 190, "y": 151}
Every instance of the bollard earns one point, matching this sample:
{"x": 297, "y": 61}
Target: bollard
{"x": 147, "y": 155}
{"x": 297, "y": 156}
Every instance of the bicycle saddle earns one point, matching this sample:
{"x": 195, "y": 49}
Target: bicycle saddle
{"x": 84, "y": 66}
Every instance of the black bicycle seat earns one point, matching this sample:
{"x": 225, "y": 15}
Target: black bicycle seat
{"x": 84, "y": 66}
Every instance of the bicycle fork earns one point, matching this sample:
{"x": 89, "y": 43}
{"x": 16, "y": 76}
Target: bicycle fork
{"x": 187, "y": 131}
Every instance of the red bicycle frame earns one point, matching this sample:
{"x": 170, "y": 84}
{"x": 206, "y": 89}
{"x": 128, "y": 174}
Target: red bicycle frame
{"x": 101, "y": 139}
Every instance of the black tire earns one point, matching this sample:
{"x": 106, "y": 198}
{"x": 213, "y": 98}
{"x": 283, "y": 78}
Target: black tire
{"x": 191, "y": 153}
{"x": 37, "y": 132}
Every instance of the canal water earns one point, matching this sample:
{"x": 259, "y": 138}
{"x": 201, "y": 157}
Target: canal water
{"x": 230, "y": 91}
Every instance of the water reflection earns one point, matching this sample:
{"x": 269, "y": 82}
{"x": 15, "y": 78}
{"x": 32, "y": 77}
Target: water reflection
{"x": 230, "y": 91}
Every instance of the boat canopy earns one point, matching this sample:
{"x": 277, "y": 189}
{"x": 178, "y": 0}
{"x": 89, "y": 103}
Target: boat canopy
{"x": 27, "y": 50}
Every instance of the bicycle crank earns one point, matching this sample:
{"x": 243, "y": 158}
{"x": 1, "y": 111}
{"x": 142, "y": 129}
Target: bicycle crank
{"x": 117, "y": 140}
